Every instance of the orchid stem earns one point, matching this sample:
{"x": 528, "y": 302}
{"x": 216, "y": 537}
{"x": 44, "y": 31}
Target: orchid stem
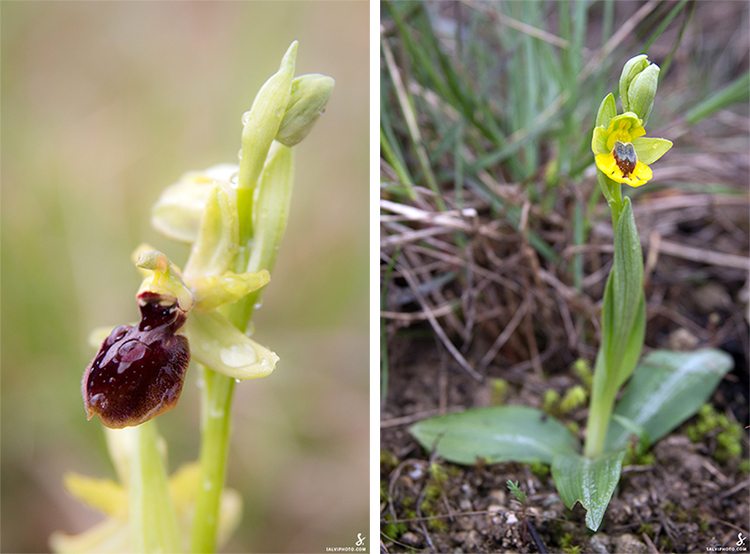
{"x": 215, "y": 426}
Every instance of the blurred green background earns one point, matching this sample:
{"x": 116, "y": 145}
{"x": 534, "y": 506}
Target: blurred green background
{"x": 104, "y": 105}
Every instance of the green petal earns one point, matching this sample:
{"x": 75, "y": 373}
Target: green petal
{"x": 165, "y": 278}
{"x": 211, "y": 292}
{"x": 219, "y": 345}
{"x": 648, "y": 150}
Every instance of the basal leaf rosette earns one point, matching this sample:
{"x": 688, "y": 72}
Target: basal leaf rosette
{"x": 623, "y": 153}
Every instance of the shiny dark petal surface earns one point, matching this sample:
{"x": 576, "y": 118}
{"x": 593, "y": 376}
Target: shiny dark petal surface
{"x": 139, "y": 371}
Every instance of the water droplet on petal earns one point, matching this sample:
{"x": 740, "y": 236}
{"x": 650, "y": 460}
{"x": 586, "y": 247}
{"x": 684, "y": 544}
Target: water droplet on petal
{"x": 238, "y": 355}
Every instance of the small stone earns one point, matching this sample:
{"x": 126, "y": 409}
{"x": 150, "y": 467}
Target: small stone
{"x": 599, "y": 544}
{"x": 628, "y": 544}
{"x": 494, "y": 508}
{"x": 412, "y": 539}
{"x": 682, "y": 340}
{"x": 473, "y": 541}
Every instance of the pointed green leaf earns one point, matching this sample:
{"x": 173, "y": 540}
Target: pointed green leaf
{"x": 623, "y": 298}
{"x": 495, "y": 434}
{"x": 633, "y": 346}
{"x": 588, "y": 481}
{"x": 666, "y": 389}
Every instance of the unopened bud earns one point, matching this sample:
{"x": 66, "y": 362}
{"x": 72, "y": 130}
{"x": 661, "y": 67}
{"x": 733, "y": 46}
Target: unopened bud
{"x": 629, "y": 71}
{"x": 642, "y": 92}
{"x": 310, "y": 94}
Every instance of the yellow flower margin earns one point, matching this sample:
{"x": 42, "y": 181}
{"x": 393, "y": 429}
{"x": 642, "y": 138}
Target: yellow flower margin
{"x": 626, "y": 128}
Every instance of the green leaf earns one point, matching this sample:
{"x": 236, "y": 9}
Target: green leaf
{"x": 633, "y": 347}
{"x": 496, "y": 434}
{"x": 588, "y": 481}
{"x": 666, "y": 389}
{"x": 623, "y": 299}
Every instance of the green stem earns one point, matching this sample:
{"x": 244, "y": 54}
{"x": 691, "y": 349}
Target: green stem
{"x": 600, "y": 409}
{"x": 215, "y": 426}
{"x": 268, "y": 169}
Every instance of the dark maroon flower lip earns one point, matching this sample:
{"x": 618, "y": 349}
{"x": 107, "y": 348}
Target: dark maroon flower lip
{"x": 139, "y": 370}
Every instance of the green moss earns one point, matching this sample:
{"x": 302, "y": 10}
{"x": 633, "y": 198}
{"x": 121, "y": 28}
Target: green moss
{"x": 703, "y": 524}
{"x": 647, "y": 528}
{"x": 388, "y": 460}
{"x": 566, "y": 542}
{"x": 728, "y": 433}
{"x": 539, "y": 469}
{"x": 438, "y": 474}
{"x": 437, "y": 525}
{"x": 573, "y": 427}
{"x": 574, "y": 398}
{"x": 499, "y": 391}
{"x": 550, "y": 401}
{"x": 393, "y": 530}
{"x": 582, "y": 369}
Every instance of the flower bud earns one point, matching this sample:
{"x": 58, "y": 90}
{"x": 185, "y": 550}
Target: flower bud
{"x": 642, "y": 91}
{"x": 629, "y": 71}
{"x": 139, "y": 371}
{"x": 310, "y": 94}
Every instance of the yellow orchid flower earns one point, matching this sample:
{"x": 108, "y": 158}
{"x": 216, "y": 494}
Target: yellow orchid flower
{"x": 622, "y": 153}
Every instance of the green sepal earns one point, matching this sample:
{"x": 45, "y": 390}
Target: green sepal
{"x": 648, "y": 150}
{"x": 217, "y": 244}
{"x": 178, "y": 211}
{"x": 607, "y": 110}
{"x": 588, "y": 481}
{"x": 261, "y": 125}
{"x": 220, "y": 346}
